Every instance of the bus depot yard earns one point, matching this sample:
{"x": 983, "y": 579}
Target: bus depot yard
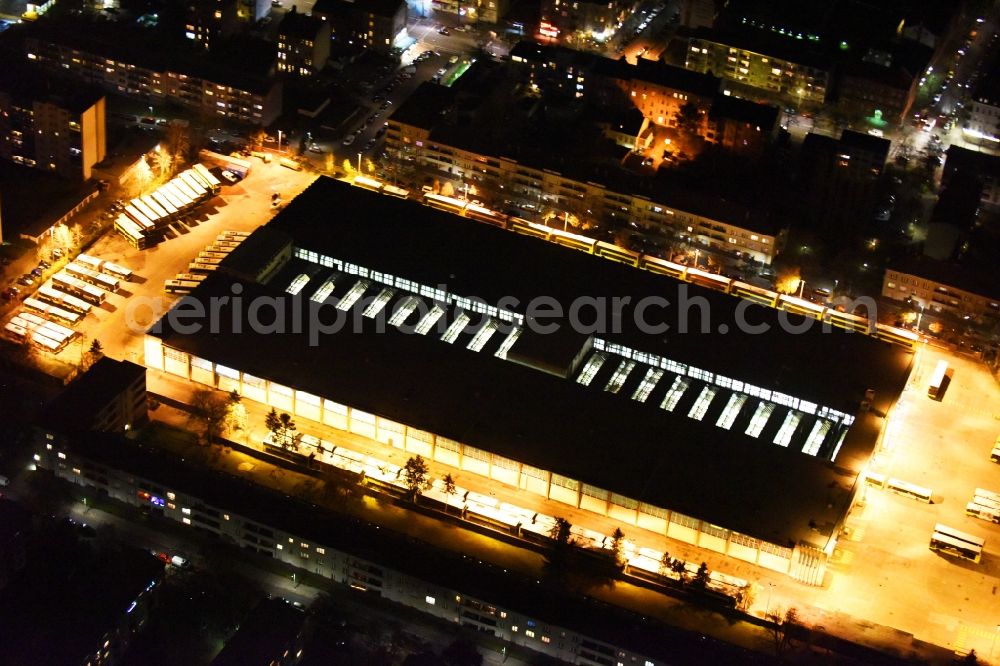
{"x": 881, "y": 569}
{"x": 238, "y": 207}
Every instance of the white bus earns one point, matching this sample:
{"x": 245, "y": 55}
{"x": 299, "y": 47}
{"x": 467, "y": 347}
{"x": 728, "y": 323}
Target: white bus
{"x": 180, "y": 286}
{"x": 54, "y": 311}
{"x": 191, "y": 277}
{"x": 201, "y": 267}
{"x": 140, "y": 218}
{"x": 954, "y": 542}
{"x": 937, "y": 380}
{"x": 918, "y": 493}
{"x": 234, "y": 234}
{"x": 93, "y": 263}
{"x": 132, "y": 232}
{"x": 202, "y": 171}
{"x": 441, "y": 202}
{"x": 210, "y": 257}
{"x": 219, "y": 248}
{"x": 987, "y": 513}
{"x": 394, "y": 191}
{"x": 48, "y": 328}
{"x": 367, "y": 183}
{"x": 987, "y": 498}
{"x": 165, "y": 203}
{"x": 93, "y": 277}
{"x": 116, "y": 271}
{"x": 995, "y": 453}
{"x": 76, "y": 287}
{"x": 62, "y": 300}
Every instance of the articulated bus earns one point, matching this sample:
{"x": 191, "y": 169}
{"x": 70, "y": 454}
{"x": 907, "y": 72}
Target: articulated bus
{"x": 71, "y": 285}
{"x": 367, "y": 183}
{"x": 116, "y": 271}
{"x": 909, "y": 490}
{"x": 218, "y": 248}
{"x": 712, "y": 281}
{"x": 481, "y": 214}
{"x": 987, "y": 497}
{"x": 290, "y": 164}
{"x": 62, "y": 300}
{"x": 663, "y": 267}
{"x": 93, "y": 263}
{"x": 165, "y": 203}
{"x": 575, "y": 241}
{"x": 201, "y": 267}
{"x": 615, "y": 253}
{"x": 180, "y": 286}
{"x": 225, "y": 244}
{"x": 48, "y": 328}
{"x": 191, "y": 277}
{"x": 202, "y": 171}
{"x": 54, "y": 311}
{"x": 194, "y": 184}
{"x": 132, "y": 232}
{"x": 20, "y": 330}
{"x": 801, "y": 306}
{"x": 93, "y": 277}
{"x": 185, "y": 189}
{"x": 848, "y": 321}
{"x": 953, "y": 542}
{"x": 212, "y": 257}
{"x": 234, "y": 234}
{"x": 140, "y": 218}
{"x": 394, "y": 191}
{"x": 937, "y": 380}
{"x": 170, "y": 193}
{"x": 983, "y": 512}
{"x": 441, "y": 202}
{"x": 995, "y": 453}
{"x": 146, "y": 211}
{"x": 897, "y": 336}
{"x": 151, "y": 203}
{"x": 754, "y": 293}
{"x": 525, "y": 228}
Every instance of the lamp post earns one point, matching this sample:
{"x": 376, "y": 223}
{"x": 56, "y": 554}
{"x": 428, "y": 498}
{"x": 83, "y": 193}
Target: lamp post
{"x": 920, "y": 316}
{"x": 359, "y": 163}
{"x": 767, "y": 609}
{"x": 279, "y": 141}
{"x": 802, "y": 287}
{"x": 994, "y": 643}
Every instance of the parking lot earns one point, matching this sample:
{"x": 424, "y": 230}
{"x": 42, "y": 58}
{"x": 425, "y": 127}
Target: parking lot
{"x": 240, "y": 207}
{"x": 884, "y": 570}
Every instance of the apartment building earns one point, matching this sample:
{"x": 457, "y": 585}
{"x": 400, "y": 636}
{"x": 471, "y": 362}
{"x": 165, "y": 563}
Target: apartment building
{"x": 943, "y": 287}
{"x": 585, "y": 18}
{"x": 208, "y": 20}
{"x": 983, "y": 125}
{"x": 984, "y": 167}
{"x": 51, "y": 126}
{"x": 780, "y": 69}
{"x": 156, "y": 77}
{"x": 438, "y": 583}
{"x": 379, "y": 25}
{"x": 415, "y": 135}
{"x": 303, "y": 44}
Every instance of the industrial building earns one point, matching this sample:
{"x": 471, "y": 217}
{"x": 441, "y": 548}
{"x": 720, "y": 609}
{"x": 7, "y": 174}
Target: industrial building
{"x": 431, "y": 341}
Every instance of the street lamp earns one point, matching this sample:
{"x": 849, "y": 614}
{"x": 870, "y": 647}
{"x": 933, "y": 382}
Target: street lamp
{"x": 802, "y": 287}
{"x": 920, "y": 316}
{"x": 359, "y": 163}
{"x": 767, "y": 610}
{"x": 279, "y": 141}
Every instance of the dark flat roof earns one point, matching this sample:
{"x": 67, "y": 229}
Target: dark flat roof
{"x": 664, "y": 458}
{"x": 384, "y": 8}
{"x": 978, "y": 163}
{"x": 871, "y": 144}
{"x": 263, "y": 636}
{"x": 734, "y": 108}
{"x": 766, "y": 44}
{"x": 32, "y": 83}
{"x": 241, "y": 62}
{"x": 106, "y": 380}
{"x": 58, "y": 608}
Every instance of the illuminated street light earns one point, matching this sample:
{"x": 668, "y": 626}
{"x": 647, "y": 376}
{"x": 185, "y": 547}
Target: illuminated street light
{"x": 802, "y": 286}
{"x": 279, "y": 141}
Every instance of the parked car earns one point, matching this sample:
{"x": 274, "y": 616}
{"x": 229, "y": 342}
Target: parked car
{"x": 44, "y": 264}
{"x": 348, "y": 140}
{"x": 37, "y": 272}
{"x": 370, "y": 144}
{"x": 26, "y": 280}
{"x": 444, "y": 31}
{"x": 230, "y": 176}
{"x": 315, "y": 149}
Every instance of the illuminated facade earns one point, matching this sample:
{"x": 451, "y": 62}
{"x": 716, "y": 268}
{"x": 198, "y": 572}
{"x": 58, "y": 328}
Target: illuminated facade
{"x": 586, "y": 18}
{"x": 377, "y": 24}
{"x": 208, "y": 20}
{"x": 61, "y": 132}
{"x": 802, "y": 79}
{"x": 303, "y": 44}
{"x": 553, "y": 189}
{"x": 602, "y": 375}
{"x": 243, "y": 99}
{"x": 941, "y": 287}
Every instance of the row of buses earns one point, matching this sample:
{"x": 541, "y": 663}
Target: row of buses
{"x": 985, "y": 505}
{"x": 950, "y": 541}
{"x": 206, "y": 262}
{"x": 48, "y": 335}
{"x": 106, "y": 267}
{"x": 611, "y": 252}
{"x": 145, "y": 218}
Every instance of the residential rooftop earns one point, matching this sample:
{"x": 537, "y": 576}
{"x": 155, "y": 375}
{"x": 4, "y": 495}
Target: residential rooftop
{"x": 977, "y": 279}
{"x": 264, "y": 636}
{"x": 383, "y": 8}
{"x": 28, "y": 82}
{"x": 76, "y": 406}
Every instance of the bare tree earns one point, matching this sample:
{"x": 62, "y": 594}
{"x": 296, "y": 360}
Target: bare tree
{"x": 449, "y": 487}
{"x": 209, "y": 409}
{"x": 618, "y": 546}
{"x": 416, "y": 476}
{"x": 782, "y": 625}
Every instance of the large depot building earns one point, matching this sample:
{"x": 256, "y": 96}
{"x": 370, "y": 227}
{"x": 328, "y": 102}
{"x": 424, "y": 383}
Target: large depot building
{"x": 748, "y": 444}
